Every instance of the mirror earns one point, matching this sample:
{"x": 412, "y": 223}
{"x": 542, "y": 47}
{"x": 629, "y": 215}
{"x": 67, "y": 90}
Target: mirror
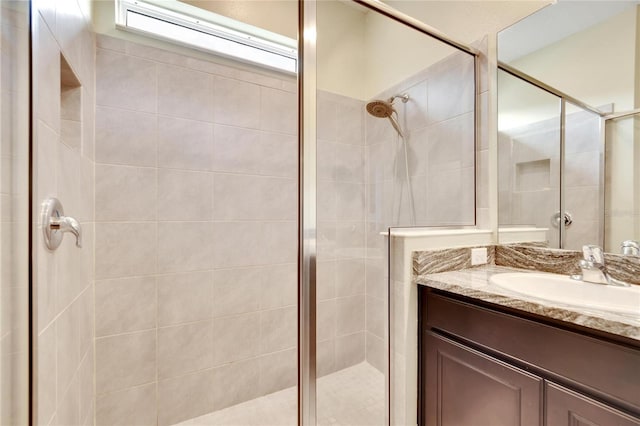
{"x": 574, "y": 155}
{"x": 529, "y": 156}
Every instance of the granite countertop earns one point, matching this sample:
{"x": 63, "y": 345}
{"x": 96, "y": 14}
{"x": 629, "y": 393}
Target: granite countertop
{"x": 474, "y": 283}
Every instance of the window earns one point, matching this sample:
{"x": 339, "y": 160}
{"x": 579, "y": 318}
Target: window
{"x": 213, "y": 33}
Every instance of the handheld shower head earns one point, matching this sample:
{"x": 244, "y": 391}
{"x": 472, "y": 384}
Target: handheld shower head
{"x": 380, "y": 109}
{"x": 396, "y": 125}
{"x": 384, "y": 109}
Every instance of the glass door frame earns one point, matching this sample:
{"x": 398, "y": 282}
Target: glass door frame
{"x": 604, "y": 120}
{"x": 564, "y": 99}
{"x": 307, "y": 184}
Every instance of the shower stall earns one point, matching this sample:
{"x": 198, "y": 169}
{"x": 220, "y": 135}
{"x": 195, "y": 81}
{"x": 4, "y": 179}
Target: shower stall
{"x": 234, "y": 216}
{"x": 557, "y": 154}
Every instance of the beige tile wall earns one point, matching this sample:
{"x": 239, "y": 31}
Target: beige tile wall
{"x": 196, "y": 235}
{"x": 438, "y": 121}
{"x": 14, "y": 189}
{"x": 439, "y": 125}
{"x": 341, "y": 236}
{"x": 482, "y": 138}
{"x": 582, "y": 178}
{"x": 537, "y": 143}
{"x": 64, "y": 168}
{"x": 534, "y": 205}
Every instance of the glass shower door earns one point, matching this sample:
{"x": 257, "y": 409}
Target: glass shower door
{"x": 529, "y": 157}
{"x": 622, "y": 182}
{"x": 583, "y": 178}
{"x": 14, "y": 207}
{"x": 395, "y": 147}
{"x": 181, "y": 166}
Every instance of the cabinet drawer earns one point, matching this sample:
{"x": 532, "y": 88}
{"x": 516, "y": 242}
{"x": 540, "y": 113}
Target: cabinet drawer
{"x": 467, "y": 388}
{"x": 567, "y": 408}
{"x": 603, "y": 369}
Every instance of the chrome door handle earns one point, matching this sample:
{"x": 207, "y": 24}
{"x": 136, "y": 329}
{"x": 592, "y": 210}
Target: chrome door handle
{"x": 55, "y": 224}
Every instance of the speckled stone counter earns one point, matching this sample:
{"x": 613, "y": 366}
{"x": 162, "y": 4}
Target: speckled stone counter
{"x": 625, "y": 268}
{"x": 474, "y": 283}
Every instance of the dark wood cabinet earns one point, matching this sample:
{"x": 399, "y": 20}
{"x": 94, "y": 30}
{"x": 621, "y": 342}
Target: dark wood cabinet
{"x": 483, "y": 366}
{"x": 467, "y": 388}
{"x": 565, "y": 407}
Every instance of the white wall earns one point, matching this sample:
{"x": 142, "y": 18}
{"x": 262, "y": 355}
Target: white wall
{"x": 478, "y": 17}
{"x": 579, "y": 65}
{"x": 520, "y": 103}
{"x": 187, "y": 150}
{"x": 278, "y": 16}
{"x": 341, "y": 49}
{"x": 596, "y": 66}
{"x": 468, "y": 20}
{"x": 395, "y": 52}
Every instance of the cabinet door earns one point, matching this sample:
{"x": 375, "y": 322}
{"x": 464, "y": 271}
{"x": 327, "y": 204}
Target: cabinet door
{"x": 568, "y": 408}
{"x": 465, "y": 387}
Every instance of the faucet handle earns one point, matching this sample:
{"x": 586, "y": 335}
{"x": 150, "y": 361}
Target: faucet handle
{"x": 593, "y": 253}
{"x": 630, "y": 248}
{"x": 55, "y": 224}
{"x": 68, "y": 224}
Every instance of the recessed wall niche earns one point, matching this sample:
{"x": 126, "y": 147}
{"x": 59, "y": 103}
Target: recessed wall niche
{"x": 70, "y": 106}
{"x": 533, "y": 175}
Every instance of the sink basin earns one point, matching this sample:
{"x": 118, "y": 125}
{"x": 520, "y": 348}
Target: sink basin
{"x": 562, "y": 289}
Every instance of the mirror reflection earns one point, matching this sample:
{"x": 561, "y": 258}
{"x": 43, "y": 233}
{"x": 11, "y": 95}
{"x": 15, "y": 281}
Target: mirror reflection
{"x": 529, "y": 156}
{"x": 622, "y": 195}
{"x": 569, "y": 141}
{"x": 586, "y": 49}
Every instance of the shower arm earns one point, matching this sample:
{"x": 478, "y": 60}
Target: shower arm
{"x": 404, "y": 98}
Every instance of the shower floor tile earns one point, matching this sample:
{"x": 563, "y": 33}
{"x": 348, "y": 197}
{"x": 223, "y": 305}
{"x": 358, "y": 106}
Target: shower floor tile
{"x": 350, "y": 397}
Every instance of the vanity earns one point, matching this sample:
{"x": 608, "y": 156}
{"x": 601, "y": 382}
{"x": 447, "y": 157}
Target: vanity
{"x": 491, "y": 356}
{"x": 543, "y": 351}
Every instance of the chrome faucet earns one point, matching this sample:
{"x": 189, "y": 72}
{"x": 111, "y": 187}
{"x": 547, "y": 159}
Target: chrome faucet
{"x": 68, "y": 224}
{"x": 593, "y": 268}
{"x": 630, "y": 248}
{"x": 55, "y": 224}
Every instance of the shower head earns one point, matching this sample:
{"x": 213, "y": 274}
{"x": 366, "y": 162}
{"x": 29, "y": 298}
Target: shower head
{"x": 384, "y": 109}
{"x": 380, "y": 109}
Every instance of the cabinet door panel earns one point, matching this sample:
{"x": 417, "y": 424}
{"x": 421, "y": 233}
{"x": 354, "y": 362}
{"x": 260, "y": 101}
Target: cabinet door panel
{"x": 568, "y": 408}
{"x": 465, "y": 387}
{"x": 563, "y": 351}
